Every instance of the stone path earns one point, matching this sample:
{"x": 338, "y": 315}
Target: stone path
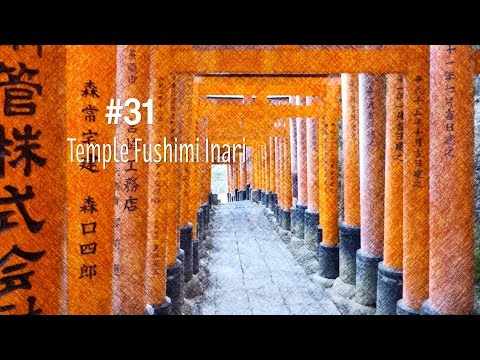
{"x": 253, "y": 272}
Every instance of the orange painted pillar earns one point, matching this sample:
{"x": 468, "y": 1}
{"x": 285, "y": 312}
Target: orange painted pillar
{"x": 271, "y": 156}
{"x": 311, "y": 213}
{"x": 451, "y": 181}
{"x": 328, "y": 251}
{"x": 372, "y": 185}
{"x": 249, "y": 166}
{"x": 415, "y": 185}
{"x": 187, "y": 158}
{"x": 90, "y": 186}
{"x": 156, "y": 268}
{"x": 298, "y": 214}
{"x": 286, "y": 157}
{"x": 278, "y": 178}
{"x": 130, "y": 244}
{"x": 293, "y": 151}
{"x": 350, "y": 226}
{"x": 32, "y": 171}
{"x": 172, "y": 180}
{"x": 390, "y": 275}
{"x": 265, "y": 168}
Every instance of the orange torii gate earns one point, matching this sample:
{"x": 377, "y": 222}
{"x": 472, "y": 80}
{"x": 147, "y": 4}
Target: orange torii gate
{"x": 410, "y": 61}
{"x": 437, "y": 213}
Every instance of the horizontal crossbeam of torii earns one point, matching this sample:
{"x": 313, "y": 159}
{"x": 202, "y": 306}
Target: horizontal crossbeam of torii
{"x": 314, "y": 59}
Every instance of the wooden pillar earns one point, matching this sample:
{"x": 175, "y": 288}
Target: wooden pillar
{"x": 415, "y": 185}
{"x": 286, "y": 158}
{"x": 451, "y": 180}
{"x": 32, "y": 240}
{"x": 390, "y": 275}
{"x": 186, "y": 158}
{"x": 311, "y": 213}
{"x": 372, "y": 185}
{"x": 130, "y": 244}
{"x": 293, "y": 151}
{"x": 156, "y": 268}
{"x": 271, "y": 147}
{"x": 172, "y": 179}
{"x": 298, "y": 214}
{"x": 350, "y": 227}
{"x": 328, "y": 251}
{"x": 90, "y": 185}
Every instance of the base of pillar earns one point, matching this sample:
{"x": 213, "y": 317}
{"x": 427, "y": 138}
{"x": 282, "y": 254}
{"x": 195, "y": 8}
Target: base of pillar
{"x": 328, "y": 260}
{"x": 195, "y": 257}
{"x": 298, "y": 220}
{"x": 255, "y": 195}
{"x": 229, "y": 197}
{"x": 263, "y": 199}
{"x": 248, "y": 192}
{"x": 310, "y": 232}
{"x": 206, "y": 216}
{"x": 273, "y": 201}
{"x": 200, "y": 224}
{"x": 349, "y": 244}
{"x": 163, "y": 309}
{"x": 186, "y": 245}
{"x": 403, "y": 309}
{"x": 389, "y": 289}
{"x": 268, "y": 199}
{"x": 181, "y": 255}
{"x": 276, "y": 212}
{"x": 175, "y": 286}
{"x": 366, "y": 278}
{"x": 285, "y": 219}
{"x": 426, "y": 309}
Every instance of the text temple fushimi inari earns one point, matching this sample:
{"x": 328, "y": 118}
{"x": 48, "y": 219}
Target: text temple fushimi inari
{"x": 364, "y": 152}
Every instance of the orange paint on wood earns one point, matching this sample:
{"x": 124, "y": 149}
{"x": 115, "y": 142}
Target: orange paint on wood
{"x": 301, "y": 156}
{"x": 90, "y": 187}
{"x": 452, "y": 179}
{"x": 329, "y": 186}
{"x": 312, "y": 162}
{"x": 131, "y": 204}
{"x": 351, "y": 169}
{"x": 372, "y": 162}
{"x": 415, "y": 182}
{"x": 158, "y": 191}
{"x": 36, "y": 109}
{"x": 393, "y": 243}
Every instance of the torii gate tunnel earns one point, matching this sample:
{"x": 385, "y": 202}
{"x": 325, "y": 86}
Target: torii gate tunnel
{"x": 93, "y": 235}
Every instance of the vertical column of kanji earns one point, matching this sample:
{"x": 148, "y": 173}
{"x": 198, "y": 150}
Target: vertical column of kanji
{"x": 311, "y": 214}
{"x": 172, "y": 181}
{"x": 90, "y": 84}
{"x": 328, "y": 251}
{"x": 298, "y": 213}
{"x": 286, "y": 158}
{"x": 350, "y": 226}
{"x": 131, "y": 177}
{"x": 372, "y": 185}
{"x": 451, "y": 180}
{"x": 390, "y": 270}
{"x": 415, "y": 184}
{"x": 157, "y": 301}
{"x": 186, "y": 154}
{"x": 32, "y": 173}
